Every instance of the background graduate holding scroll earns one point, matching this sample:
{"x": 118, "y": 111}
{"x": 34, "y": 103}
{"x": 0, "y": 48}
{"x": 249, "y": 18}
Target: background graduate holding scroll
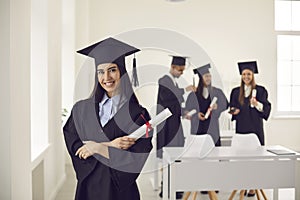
{"x": 106, "y": 161}
{"x": 206, "y": 121}
{"x": 248, "y": 109}
{"x": 170, "y": 96}
{"x": 249, "y": 104}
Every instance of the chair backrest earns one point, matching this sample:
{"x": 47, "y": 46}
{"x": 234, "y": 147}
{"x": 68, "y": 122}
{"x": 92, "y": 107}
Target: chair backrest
{"x": 198, "y": 145}
{"x": 245, "y": 141}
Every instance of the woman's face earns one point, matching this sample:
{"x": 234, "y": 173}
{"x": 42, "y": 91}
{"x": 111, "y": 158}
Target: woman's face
{"x": 109, "y": 78}
{"x": 206, "y": 79}
{"x": 247, "y": 76}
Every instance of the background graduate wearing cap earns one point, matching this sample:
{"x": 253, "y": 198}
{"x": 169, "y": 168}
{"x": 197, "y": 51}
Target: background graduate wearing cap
{"x": 106, "y": 161}
{"x": 170, "y": 96}
{"x": 249, "y": 109}
{"x": 201, "y": 100}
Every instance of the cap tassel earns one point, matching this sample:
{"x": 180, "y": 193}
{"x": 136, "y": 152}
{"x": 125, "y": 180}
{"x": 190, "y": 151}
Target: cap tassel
{"x": 135, "y": 80}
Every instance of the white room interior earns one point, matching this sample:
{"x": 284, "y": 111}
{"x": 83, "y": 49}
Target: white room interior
{"x": 41, "y": 73}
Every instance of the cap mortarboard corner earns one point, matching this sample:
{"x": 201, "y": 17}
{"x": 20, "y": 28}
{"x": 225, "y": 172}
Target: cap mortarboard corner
{"x": 202, "y": 70}
{"x": 108, "y": 51}
{"x": 251, "y": 65}
{"x": 178, "y": 60}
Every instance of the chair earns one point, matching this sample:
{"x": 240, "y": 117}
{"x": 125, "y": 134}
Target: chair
{"x": 199, "y": 146}
{"x": 246, "y": 142}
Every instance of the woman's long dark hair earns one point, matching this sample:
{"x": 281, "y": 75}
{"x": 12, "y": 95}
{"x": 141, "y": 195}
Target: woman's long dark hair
{"x": 125, "y": 84}
{"x": 199, "y": 91}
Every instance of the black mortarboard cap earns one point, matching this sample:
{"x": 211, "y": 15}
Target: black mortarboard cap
{"x": 108, "y": 50}
{"x": 202, "y": 70}
{"x": 178, "y": 60}
{"x": 251, "y": 65}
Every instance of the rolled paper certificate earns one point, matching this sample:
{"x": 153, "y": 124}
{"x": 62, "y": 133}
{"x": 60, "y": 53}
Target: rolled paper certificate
{"x": 191, "y": 113}
{"x": 210, "y": 107}
{"x": 156, "y": 120}
{"x": 253, "y": 96}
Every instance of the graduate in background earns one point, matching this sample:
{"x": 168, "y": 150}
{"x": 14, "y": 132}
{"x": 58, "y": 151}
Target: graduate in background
{"x": 201, "y": 101}
{"x": 249, "y": 104}
{"x": 170, "y": 96}
{"x": 106, "y": 161}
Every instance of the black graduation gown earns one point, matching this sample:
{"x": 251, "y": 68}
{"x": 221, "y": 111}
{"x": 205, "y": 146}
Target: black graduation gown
{"x": 98, "y": 177}
{"x": 211, "y": 124}
{"x": 169, "y": 133}
{"x": 250, "y": 120}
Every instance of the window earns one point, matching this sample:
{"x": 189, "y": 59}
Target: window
{"x": 287, "y": 25}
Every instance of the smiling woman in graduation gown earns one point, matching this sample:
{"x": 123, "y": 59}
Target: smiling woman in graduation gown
{"x": 112, "y": 176}
{"x": 249, "y": 118}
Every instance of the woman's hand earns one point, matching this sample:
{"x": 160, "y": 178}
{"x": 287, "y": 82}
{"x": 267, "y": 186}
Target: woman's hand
{"x": 186, "y": 116}
{"x": 88, "y": 149}
{"x": 214, "y": 106}
{"x": 122, "y": 142}
{"x": 201, "y": 116}
{"x": 234, "y": 111}
{"x": 191, "y": 88}
{"x": 253, "y": 101}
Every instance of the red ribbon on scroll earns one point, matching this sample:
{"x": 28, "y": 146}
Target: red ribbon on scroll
{"x": 148, "y": 125}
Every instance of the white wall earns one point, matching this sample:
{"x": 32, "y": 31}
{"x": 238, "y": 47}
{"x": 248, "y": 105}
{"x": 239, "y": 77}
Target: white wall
{"x": 54, "y": 159}
{"x": 16, "y": 166}
{"x": 229, "y": 31}
{"x": 5, "y": 172}
{"x": 19, "y": 81}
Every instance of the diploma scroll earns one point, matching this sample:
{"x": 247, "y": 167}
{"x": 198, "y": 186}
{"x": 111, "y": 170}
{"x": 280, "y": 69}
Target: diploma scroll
{"x": 253, "y": 96}
{"x": 210, "y": 107}
{"x": 191, "y": 113}
{"x": 156, "y": 120}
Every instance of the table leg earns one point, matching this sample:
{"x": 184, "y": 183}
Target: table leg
{"x": 232, "y": 195}
{"x": 242, "y": 194}
{"x": 194, "y": 195}
{"x": 212, "y": 195}
{"x": 263, "y": 194}
{"x": 186, "y": 195}
{"x": 257, "y": 195}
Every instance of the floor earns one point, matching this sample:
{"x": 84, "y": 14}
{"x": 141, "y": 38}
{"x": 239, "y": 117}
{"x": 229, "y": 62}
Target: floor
{"x": 147, "y": 193}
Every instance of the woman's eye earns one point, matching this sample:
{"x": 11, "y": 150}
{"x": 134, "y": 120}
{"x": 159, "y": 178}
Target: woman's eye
{"x": 101, "y": 72}
{"x": 112, "y": 70}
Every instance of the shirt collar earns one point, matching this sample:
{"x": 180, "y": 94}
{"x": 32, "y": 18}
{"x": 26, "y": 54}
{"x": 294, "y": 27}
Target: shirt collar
{"x": 104, "y": 99}
{"x": 172, "y": 77}
{"x": 115, "y": 99}
{"x": 247, "y": 90}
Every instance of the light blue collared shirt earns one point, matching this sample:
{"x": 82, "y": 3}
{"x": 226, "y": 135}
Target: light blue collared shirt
{"x": 108, "y": 107}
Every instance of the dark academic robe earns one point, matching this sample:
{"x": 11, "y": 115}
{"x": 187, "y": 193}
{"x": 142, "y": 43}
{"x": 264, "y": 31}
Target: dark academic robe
{"x": 99, "y": 178}
{"x": 170, "y": 132}
{"x": 250, "y": 120}
{"x": 211, "y": 124}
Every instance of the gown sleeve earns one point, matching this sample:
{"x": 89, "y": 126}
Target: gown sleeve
{"x": 73, "y": 142}
{"x": 222, "y": 103}
{"x": 234, "y": 101}
{"x": 263, "y": 98}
